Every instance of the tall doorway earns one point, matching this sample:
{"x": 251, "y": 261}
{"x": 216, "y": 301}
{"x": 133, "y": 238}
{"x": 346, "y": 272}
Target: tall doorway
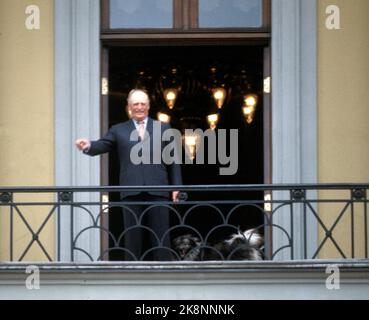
{"x": 194, "y": 46}
{"x": 195, "y": 71}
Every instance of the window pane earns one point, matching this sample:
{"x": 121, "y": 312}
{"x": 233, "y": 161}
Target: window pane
{"x": 141, "y": 14}
{"x": 230, "y": 13}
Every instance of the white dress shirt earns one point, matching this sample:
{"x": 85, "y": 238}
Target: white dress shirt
{"x": 136, "y": 124}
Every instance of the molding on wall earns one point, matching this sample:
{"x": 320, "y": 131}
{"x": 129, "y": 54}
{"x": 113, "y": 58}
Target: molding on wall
{"x": 77, "y": 110}
{"x": 294, "y": 115}
{"x": 172, "y": 281}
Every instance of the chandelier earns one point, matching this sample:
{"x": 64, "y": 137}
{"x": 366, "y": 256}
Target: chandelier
{"x": 249, "y": 107}
{"x": 170, "y": 96}
{"x": 219, "y": 94}
{"x": 175, "y": 94}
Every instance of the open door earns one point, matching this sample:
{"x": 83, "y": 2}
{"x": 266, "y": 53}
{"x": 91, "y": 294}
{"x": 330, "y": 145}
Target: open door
{"x": 194, "y": 70}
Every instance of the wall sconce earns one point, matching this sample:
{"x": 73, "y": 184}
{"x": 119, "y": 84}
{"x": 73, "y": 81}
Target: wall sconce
{"x": 249, "y": 107}
{"x": 170, "y": 96}
{"x": 163, "y": 117}
{"x": 219, "y": 95}
{"x": 212, "y": 120}
{"x": 191, "y": 140}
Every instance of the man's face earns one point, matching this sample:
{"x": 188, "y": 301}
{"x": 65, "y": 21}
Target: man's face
{"x": 139, "y": 106}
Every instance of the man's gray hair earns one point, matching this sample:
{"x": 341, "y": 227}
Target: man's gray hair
{"x": 136, "y": 90}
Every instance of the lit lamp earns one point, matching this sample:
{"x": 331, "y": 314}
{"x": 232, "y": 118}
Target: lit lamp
{"x": 170, "y": 96}
{"x": 191, "y": 141}
{"x": 129, "y": 112}
{"x": 213, "y": 120}
{"x": 163, "y": 117}
{"x": 219, "y": 95}
{"x": 249, "y": 107}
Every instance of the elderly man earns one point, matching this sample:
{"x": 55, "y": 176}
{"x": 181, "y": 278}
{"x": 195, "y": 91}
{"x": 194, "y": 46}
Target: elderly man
{"x": 133, "y": 174}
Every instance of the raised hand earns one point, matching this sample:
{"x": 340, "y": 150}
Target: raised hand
{"x": 83, "y": 144}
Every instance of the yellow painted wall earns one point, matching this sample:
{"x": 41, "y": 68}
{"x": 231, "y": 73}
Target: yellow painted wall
{"x": 343, "y": 113}
{"x": 26, "y": 119}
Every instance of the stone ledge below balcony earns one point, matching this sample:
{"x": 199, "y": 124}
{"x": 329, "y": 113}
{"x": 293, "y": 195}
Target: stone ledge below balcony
{"x": 187, "y": 280}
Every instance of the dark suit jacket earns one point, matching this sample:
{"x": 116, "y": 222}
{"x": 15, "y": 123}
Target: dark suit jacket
{"x": 137, "y": 174}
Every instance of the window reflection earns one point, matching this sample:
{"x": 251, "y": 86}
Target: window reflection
{"x": 141, "y": 14}
{"x": 230, "y": 13}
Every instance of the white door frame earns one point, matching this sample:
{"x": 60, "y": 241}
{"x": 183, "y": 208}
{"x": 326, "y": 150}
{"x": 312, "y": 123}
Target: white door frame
{"x": 294, "y": 103}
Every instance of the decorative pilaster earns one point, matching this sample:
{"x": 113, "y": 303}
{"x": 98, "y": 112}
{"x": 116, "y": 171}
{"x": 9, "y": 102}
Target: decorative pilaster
{"x": 294, "y": 116}
{"x": 77, "y": 112}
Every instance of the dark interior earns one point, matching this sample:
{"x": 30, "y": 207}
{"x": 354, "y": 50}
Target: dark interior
{"x": 195, "y": 70}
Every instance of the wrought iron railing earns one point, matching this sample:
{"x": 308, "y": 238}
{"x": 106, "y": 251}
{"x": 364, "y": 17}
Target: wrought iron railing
{"x": 284, "y": 222}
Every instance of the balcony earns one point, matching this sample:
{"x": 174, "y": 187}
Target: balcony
{"x": 80, "y": 232}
